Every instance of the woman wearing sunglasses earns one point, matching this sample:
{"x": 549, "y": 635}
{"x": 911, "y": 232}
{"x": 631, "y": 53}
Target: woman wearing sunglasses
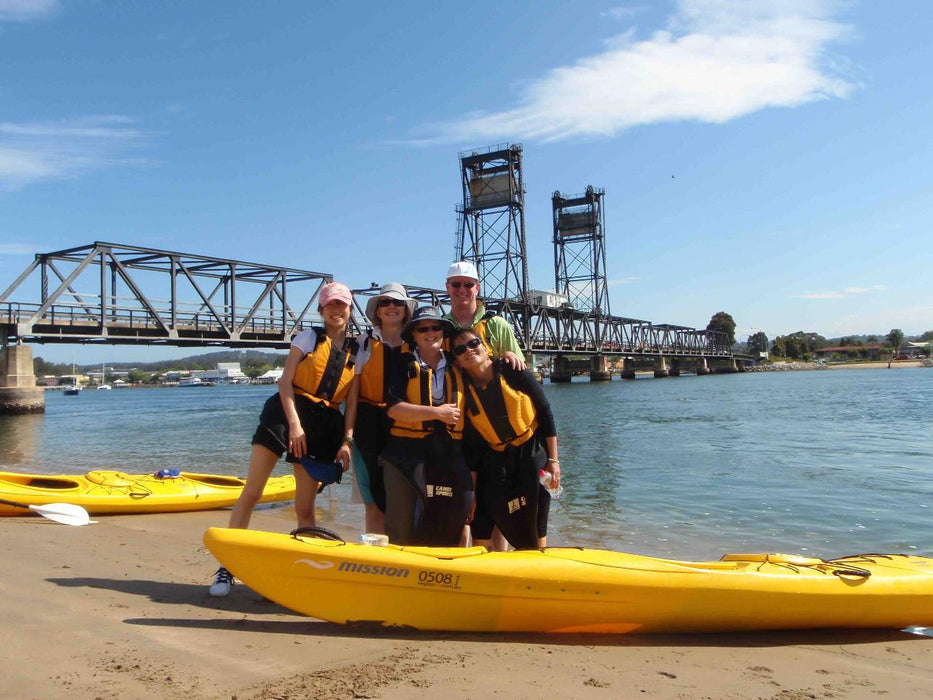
{"x": 511, "y": 438}
{"x": 380, "y": 349}
{"x": 429, "y": 488}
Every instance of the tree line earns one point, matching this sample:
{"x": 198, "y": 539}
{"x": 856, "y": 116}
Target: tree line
{"x": 803, "y": 345}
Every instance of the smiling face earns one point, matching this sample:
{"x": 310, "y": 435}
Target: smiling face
{"x": 336, "y": 315}
{"x": 428, "y": 335}
{"x": 391, "y": 312}
{"x": 463, "y": 292}
{"x": 469, "y": 351}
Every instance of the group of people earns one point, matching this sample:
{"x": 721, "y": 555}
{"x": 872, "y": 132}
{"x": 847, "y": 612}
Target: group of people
{"x": 446, "y": 429}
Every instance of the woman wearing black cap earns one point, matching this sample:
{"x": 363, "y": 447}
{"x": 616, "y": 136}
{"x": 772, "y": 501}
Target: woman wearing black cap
{"x": 429, "y": 488}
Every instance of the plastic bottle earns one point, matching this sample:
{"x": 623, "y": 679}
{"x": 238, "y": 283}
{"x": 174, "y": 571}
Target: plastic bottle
{"x": 545, "y": 479}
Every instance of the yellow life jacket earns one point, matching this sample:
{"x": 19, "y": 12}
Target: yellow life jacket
{"x": 418, "y": 392}
{"x": 378, "y": 368}
{"x": 325, "y": 373}
{"x": 480, "y": 329}
{"x": 502, "y": 415}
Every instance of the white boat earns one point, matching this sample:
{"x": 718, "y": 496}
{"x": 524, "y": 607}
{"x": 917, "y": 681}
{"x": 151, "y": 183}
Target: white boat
{"x": 190, "y": 381}
{"x": 75, "y": 388}
{"x": 103, "y": 375}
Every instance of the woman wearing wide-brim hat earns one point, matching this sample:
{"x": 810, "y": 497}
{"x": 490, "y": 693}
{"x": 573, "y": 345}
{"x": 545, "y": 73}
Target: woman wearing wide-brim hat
{"x": 429, "y": 488}
{"x": 380, "y": 349}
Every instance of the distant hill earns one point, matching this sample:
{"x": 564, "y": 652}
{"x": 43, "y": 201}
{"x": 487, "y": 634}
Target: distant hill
{"x": 246, "y": 358}
{"x": 206, "y": 361}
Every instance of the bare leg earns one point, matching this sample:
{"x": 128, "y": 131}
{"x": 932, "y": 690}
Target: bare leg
{"x": 498, "y": 541}
{"x": 375, "y": 519}
{"x": 305, "y": 495}
{"x": 542, "y": 542}
{"x": 261, "y": 463}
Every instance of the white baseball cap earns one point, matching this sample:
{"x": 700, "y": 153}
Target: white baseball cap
{"x": 463, "y": 269}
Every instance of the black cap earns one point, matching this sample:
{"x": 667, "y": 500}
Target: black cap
{"x": 425, "y": 313}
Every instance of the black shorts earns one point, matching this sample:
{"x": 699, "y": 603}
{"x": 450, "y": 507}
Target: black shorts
{"x": 509, "y": 496}
{"x": 322, "y": 424}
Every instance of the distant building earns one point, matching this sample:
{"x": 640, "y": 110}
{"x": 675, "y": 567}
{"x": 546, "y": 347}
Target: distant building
{"x": 271, "y": 377}
{"x": 547, "y": 298}
{"x": 224, "y": 373}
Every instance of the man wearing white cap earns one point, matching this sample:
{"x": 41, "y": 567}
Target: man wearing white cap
{"x": 468, "y": 311}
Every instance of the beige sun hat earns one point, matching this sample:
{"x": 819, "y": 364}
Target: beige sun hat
{"x": 392, "y": 290}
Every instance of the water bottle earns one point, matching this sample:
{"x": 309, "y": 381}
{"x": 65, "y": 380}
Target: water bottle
{"x": 545, "y": 479}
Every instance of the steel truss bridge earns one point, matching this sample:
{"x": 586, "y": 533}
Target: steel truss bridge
{"x": 121, "y": 294}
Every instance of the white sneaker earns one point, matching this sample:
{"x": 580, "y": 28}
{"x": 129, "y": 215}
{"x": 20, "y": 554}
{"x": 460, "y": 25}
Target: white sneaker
{"x": 223, "y": 582}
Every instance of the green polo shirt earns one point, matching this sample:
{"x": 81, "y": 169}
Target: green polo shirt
{"x": 499, "y": 333}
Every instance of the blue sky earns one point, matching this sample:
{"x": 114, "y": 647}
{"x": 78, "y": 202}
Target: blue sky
{"x": 768, "y": 159}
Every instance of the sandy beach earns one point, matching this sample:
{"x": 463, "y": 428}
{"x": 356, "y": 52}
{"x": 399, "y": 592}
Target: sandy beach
{"x": 120, "y": 609}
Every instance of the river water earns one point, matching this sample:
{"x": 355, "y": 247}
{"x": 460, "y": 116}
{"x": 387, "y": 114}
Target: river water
{"x": 823, "y": 463}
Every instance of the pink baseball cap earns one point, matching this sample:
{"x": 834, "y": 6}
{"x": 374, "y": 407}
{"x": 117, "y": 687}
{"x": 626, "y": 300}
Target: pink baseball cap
{"x": 335, "y": 291}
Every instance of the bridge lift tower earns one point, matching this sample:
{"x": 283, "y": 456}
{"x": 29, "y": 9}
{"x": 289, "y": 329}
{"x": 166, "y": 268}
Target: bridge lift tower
{"x": 580, "y": 250}
{"x": 492, "y": 220}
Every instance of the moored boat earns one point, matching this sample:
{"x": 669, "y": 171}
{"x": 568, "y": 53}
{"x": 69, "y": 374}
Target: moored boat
{"x": 104, "y": 491}
{"x": 574, "y": 590}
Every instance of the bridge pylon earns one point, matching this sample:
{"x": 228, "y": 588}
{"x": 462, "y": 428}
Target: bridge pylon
{"x": 492, "y": 220}
{"x": 580, "y": 250}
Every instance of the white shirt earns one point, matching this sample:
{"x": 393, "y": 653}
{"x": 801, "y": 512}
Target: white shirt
{"x": 437, "y": 379}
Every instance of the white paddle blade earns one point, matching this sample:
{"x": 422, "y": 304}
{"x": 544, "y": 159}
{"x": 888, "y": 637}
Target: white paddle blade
{"x": 65, "y": 513}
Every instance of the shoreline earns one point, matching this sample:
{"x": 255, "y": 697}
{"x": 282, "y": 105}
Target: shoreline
{"x": 120, "y": 609}
{"x": 807, "y": 366}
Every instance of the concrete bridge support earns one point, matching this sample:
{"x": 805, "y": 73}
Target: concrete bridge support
{"x": 18, "y": 391}
{"x": 628, "y": 368}
{"x": 560, "y": 370}
{"x": 661, "y": 369}
{"x": 674, "y": 369}
{"x": 703, "y": 367}
{"x": 599, "y": 369}
{"x": 731, "y": 367}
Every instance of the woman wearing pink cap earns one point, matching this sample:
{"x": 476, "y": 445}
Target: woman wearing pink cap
{"x": 303, "y": 419}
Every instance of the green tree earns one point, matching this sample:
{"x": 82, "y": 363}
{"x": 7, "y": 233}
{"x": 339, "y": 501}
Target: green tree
{"x": 757, "y": 343}
{"x": 895, "y": 339}
{"x": 721, "y": 322}
{"x": 927, "y": 335}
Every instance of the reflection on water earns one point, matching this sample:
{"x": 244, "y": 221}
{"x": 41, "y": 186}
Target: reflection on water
{"x": 20, "y": 437}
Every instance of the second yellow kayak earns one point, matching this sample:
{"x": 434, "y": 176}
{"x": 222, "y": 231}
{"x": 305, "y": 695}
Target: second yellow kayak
{"x": 105, "y": 491}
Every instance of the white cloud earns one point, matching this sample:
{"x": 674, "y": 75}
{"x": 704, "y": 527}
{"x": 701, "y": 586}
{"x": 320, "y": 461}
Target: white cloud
{"x": 15, "y": 249}
{"x": 27, "y": 10}
{"x": 717, "y": 60}
{"x": 844, "y": 294}
{"x": 43, "y": 151}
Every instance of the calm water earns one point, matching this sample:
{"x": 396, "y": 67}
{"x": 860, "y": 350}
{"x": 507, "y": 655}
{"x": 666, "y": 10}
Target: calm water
{"x": 823, "y": 463}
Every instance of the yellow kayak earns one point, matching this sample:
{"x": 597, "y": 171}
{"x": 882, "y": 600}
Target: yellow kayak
{"x": 115, "y": 492}
{"x": 574, "y": 590}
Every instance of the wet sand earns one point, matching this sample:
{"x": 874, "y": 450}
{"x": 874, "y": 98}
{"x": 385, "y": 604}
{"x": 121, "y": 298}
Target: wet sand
{"x": 120, "y": 609}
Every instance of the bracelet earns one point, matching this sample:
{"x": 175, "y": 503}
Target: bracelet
{"x": 553, "y": 461}
{"x": 348, "y": 440}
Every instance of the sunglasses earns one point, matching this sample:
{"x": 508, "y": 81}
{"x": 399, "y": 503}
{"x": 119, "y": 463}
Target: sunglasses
{"x": 429, "y": 329}
{"x": 465, "y": 285}
{"x": 389, "y": 302}
{"x": 468, "y": 345}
